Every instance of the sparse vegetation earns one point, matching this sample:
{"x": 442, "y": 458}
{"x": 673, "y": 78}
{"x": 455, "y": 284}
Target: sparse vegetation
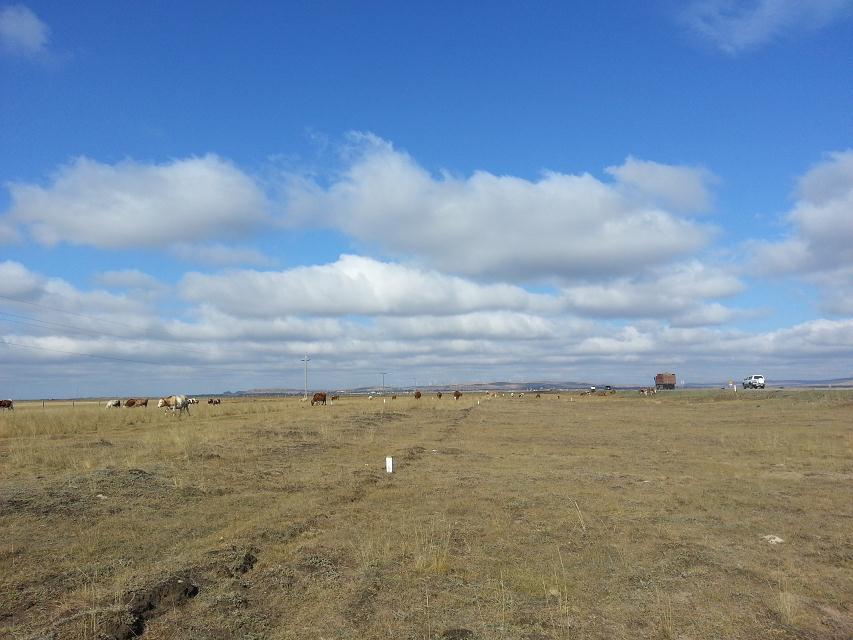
{"x": 594, "y": 517}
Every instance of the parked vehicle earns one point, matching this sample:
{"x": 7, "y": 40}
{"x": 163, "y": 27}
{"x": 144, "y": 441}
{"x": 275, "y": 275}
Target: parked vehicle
{"x": 665, "y": 381}
{"x": 755, "y": 381}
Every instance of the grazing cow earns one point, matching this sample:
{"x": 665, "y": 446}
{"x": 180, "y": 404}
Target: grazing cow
{"x": 7, "y": 404}
{"x": 417, "y": 395}
{"x": 192, "y": 400}
{"x": 319, "y": 398}
{"x": 136, "y": 402}
{"x": 175, "y": 404}
{"x": 333, "y": 398}
{"x": 213, "y": 401}
{"x": 112, "y": 403}
{"x": 438, "y": 395}
{"x": 457, "y": 395}
{"x": 538, "y": 396}
{"x": 394, "y": 397}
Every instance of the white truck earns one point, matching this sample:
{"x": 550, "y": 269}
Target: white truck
{"x": 753, "y": 382}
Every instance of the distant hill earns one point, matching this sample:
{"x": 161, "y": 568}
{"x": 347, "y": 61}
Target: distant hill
{"x": 550, "y": 385}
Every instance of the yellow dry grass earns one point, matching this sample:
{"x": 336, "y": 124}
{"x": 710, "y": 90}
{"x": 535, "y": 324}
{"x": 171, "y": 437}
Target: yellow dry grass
{"x": 577, "y": 517}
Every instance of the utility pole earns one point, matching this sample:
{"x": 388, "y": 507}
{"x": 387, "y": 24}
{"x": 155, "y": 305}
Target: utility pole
{"x": 306, "y": 360}
{"x": 383, "y": 374}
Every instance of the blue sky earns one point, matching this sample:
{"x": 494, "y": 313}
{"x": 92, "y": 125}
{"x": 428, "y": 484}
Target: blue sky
{"x": 561, "y": 191}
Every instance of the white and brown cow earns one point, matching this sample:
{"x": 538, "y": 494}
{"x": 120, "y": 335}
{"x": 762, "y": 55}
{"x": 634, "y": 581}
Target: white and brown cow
{"x": 175, "y": 404}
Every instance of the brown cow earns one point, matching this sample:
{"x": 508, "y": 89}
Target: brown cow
{"x": 319, "y": 398}
{"x": 457, "y": 395}
{"x": 213, "y": 401}
{"x": 136, "y": 402}
{"x": 335, "y": 398}
{"x": 417, "y": 395}
{"x": 7, "y": 404}
{"x": 438, "y": 395}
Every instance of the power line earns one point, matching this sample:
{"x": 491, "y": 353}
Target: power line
{"x": 218, "y": 366}
{"x": 78, "y": 353}
{"x": 37, "y": 322}
{"x": 72, "y": 313}
{"x": 21, "y": 319}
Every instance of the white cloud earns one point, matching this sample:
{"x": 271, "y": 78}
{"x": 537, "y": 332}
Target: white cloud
{"x": 220, "y": 255}
{"x": 669, "y": 292}
{"x": 353, "y": 285}
{"x": 17, "y": 281}
{"x": 8, "y": 233}
{"x": 491, "y": 325}
{"x": 138, "y": 205}
{"x": 561, "y": 226}
{"x": 128, "y": 279}
{"x": 682, "y": 188}
{"x": 734, "y": 26}
{"x": 212, "y": 347}
{"x": 820, "y": 245}
{"x": 22, "y": 32}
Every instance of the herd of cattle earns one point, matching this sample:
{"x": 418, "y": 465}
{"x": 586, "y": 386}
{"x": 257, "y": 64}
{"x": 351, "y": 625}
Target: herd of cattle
{"x": 179, "y": 403}
{"x": 175, "y": 404}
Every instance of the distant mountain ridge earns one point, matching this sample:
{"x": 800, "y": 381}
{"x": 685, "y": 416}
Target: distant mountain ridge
{"x": 846, "y": 382}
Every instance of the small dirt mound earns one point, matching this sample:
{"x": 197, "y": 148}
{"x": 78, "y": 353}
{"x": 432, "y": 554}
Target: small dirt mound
{"x": 414, "y": 453}
{"x": 149, "y": 603}
{"x": 244, "y": 561}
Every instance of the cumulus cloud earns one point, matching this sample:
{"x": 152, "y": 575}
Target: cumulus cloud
{"x": 670, "y": 292}
{"x": 682, "y": 188}
{"x": 820, "y": 244}
{"x": 734, "y": 26}
{"x": 219, "y": 255}
{"x": 139, "y": 205}
{"x": 8, "y": 233}
{"x": 501, "y": 332}
{"x": 354, "y": 285}
{"x": 128, "y": 279}
{"x": 560, "y": 226}
{"x": 22, "y": 32}
{"x": 17, "y": 281}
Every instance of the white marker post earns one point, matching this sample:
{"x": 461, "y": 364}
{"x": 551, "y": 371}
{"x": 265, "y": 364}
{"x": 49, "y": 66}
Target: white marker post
{"x": 389, "y": 464}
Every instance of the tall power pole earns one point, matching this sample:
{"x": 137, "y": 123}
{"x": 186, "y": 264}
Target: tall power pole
{"x": 306, "y": 360}
{"x": 383, "y": 374}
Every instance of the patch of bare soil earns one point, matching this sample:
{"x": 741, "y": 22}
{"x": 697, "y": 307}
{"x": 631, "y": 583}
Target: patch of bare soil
{"x": 374, "y": 419}
{"x": 147, "y": 604}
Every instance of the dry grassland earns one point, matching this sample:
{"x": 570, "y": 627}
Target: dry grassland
{"x": 613, "y": 517}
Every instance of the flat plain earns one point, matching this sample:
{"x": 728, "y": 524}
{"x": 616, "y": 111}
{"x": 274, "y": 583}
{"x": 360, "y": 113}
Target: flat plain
{"x": 707, "y": 514}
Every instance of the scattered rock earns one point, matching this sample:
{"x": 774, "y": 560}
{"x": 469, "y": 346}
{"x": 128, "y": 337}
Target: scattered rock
{"x": 771, "y": 539}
